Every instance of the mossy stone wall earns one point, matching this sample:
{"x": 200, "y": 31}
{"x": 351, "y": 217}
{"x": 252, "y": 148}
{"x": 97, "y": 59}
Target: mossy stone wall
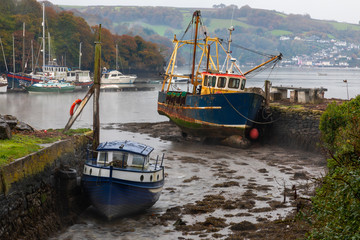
{"x": 296, "y": 128}
{"x": 33, "y": 203}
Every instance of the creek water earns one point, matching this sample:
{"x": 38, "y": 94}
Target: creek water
{"x": 269, "y": 168}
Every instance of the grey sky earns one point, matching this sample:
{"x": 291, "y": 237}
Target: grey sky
{"x": 338, "y": 10}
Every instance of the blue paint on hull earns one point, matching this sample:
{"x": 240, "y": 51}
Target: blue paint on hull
{"x": 212, "y": 115}
{"x": 16, "y": 81}
{"x": 114, "y": 197}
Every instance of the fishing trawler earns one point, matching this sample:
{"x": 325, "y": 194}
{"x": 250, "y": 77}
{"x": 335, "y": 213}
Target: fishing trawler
{"x": 218, "y": 105}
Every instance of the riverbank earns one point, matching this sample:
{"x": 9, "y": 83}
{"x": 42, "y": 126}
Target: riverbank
{"x": 214, "y": 191}
{"x": 211, "y": 191}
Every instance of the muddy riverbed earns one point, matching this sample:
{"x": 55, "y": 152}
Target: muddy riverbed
{"x": 212, "y": 191}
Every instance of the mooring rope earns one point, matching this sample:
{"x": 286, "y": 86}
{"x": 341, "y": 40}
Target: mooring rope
{"x": 262, "y": 123}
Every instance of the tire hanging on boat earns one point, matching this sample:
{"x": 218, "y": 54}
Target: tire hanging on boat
{"x": 77, "y": 101}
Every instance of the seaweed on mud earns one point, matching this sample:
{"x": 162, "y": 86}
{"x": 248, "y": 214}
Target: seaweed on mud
{"x": 211, "y": 224}
{"x": 208, "y": 204}
{"x": 186, "y": 159}
{"x": 301, "y": 175}
{"x": 171, "y": 214}
{"x": 243, "y": 226}
{"x": 247, "y": 204}
{"x": 263, "y": 170}
{"x": 226, "y": 184}
{"x": 260, "y": 210}
{"x": 276, "y": 204}
{"x": 193, "y": 178}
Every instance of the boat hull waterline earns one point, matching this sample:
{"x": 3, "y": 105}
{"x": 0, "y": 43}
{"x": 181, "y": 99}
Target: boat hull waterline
{"x": 214, "y": 115}
{"x": 118, "y": 197}
{"x": 50, "y": 88}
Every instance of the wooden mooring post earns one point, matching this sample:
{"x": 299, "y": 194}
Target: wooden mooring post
{"x": 95, "y": 89}
{"x": 96, "y": 118}
{"x": 267, "y": 93}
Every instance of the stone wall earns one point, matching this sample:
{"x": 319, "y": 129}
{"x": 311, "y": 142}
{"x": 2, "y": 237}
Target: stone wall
{"x": 39, "y": 194}
{"x": 296, "y": 128}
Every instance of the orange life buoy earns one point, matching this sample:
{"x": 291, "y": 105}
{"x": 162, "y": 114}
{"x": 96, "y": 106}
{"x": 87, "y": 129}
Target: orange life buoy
{"x": 77, "y": 101}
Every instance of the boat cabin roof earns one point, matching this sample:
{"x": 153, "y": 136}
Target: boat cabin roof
{"x": 224, "y": 75}
{"x": 125, "y": 146}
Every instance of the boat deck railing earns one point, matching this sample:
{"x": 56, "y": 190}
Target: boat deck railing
{"x": 91, "y": 159}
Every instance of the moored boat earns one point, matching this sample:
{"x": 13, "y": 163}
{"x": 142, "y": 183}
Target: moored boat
{"x": 3, "y": 84}
{"x": 121, "y": 180}
{"x": 113, "y": 77}
{"x": 50, "y": 87}
{"x": 80, "y": 78}
{"x": 50, "y": 71}
{"x": 218, "y": 104}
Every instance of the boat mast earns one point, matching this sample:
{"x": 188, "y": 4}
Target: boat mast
{"x": 117, "y": 66}
{"x": 32, "y": 55}
{"x": 80, "y": 55}
{"x": 23, "y": 53}
{"x": 228, "y": 58}
{"x": 97, "y": 70}
{"x": 2, "y": 48}
{"x": 49, "y": 61}
{"x": 43, "y": 40}
{"x": 13, "y": 53}
{"x": 197, "y": 15}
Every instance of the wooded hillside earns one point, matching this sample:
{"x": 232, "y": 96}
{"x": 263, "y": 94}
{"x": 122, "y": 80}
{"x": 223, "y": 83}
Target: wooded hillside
{"x": 66, "y": 32}
{"x": 261, "y": 30}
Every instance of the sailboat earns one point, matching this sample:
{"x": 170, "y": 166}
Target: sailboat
{"x": 217, "y": 104}
{"x": 50, "y": 72}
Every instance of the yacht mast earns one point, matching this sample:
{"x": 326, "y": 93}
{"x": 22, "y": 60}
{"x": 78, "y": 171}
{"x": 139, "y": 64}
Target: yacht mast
{"x": 2, "y": 48}
{"x": 23, "y": 53}
{"x": 43, "y": 40}
{"x": 13, "y": 53}
{"x": 80, "y": 54}
{"x": 117, "y": 66}
{"x": 32, "y": 55}
{"x": 50, "y": 61}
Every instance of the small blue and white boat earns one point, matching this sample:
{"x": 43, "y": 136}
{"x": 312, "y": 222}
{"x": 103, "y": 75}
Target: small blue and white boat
{"x": 121, "y": 180}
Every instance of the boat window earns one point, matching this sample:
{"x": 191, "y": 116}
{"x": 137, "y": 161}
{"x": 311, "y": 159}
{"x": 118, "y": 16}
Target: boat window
{"x": 113, "y": 75}
{"x": 206, "y": 79}
{"x": 243, "y": 84}
{"x": 102, "y": 158}
{"x": 212, "y": 81}
{"x": 221, "y": 82}
{"x": 106, "y": 75}
{"x": 120, "y": 156}
{"x": 138, "y": 160}
{"x": 234, "y": 83}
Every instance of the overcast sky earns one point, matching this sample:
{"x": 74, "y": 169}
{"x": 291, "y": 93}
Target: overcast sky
{"x": 338, "y": 10}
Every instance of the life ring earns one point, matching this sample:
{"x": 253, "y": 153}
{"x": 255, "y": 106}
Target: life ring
{"x": 77, "y": 101}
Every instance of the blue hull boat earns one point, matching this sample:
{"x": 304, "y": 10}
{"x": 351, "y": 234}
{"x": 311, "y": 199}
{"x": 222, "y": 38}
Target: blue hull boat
{"x": 211, "y": 115}
{"x": 121, "y": 180}
{"x": 216, "y": 103}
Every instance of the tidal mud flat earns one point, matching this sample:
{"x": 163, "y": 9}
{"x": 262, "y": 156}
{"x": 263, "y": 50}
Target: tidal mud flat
{"x": 213, "y": 191}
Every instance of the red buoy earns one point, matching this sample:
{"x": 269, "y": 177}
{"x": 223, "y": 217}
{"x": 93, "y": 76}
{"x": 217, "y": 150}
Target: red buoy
{"x": 254, "y": 134}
